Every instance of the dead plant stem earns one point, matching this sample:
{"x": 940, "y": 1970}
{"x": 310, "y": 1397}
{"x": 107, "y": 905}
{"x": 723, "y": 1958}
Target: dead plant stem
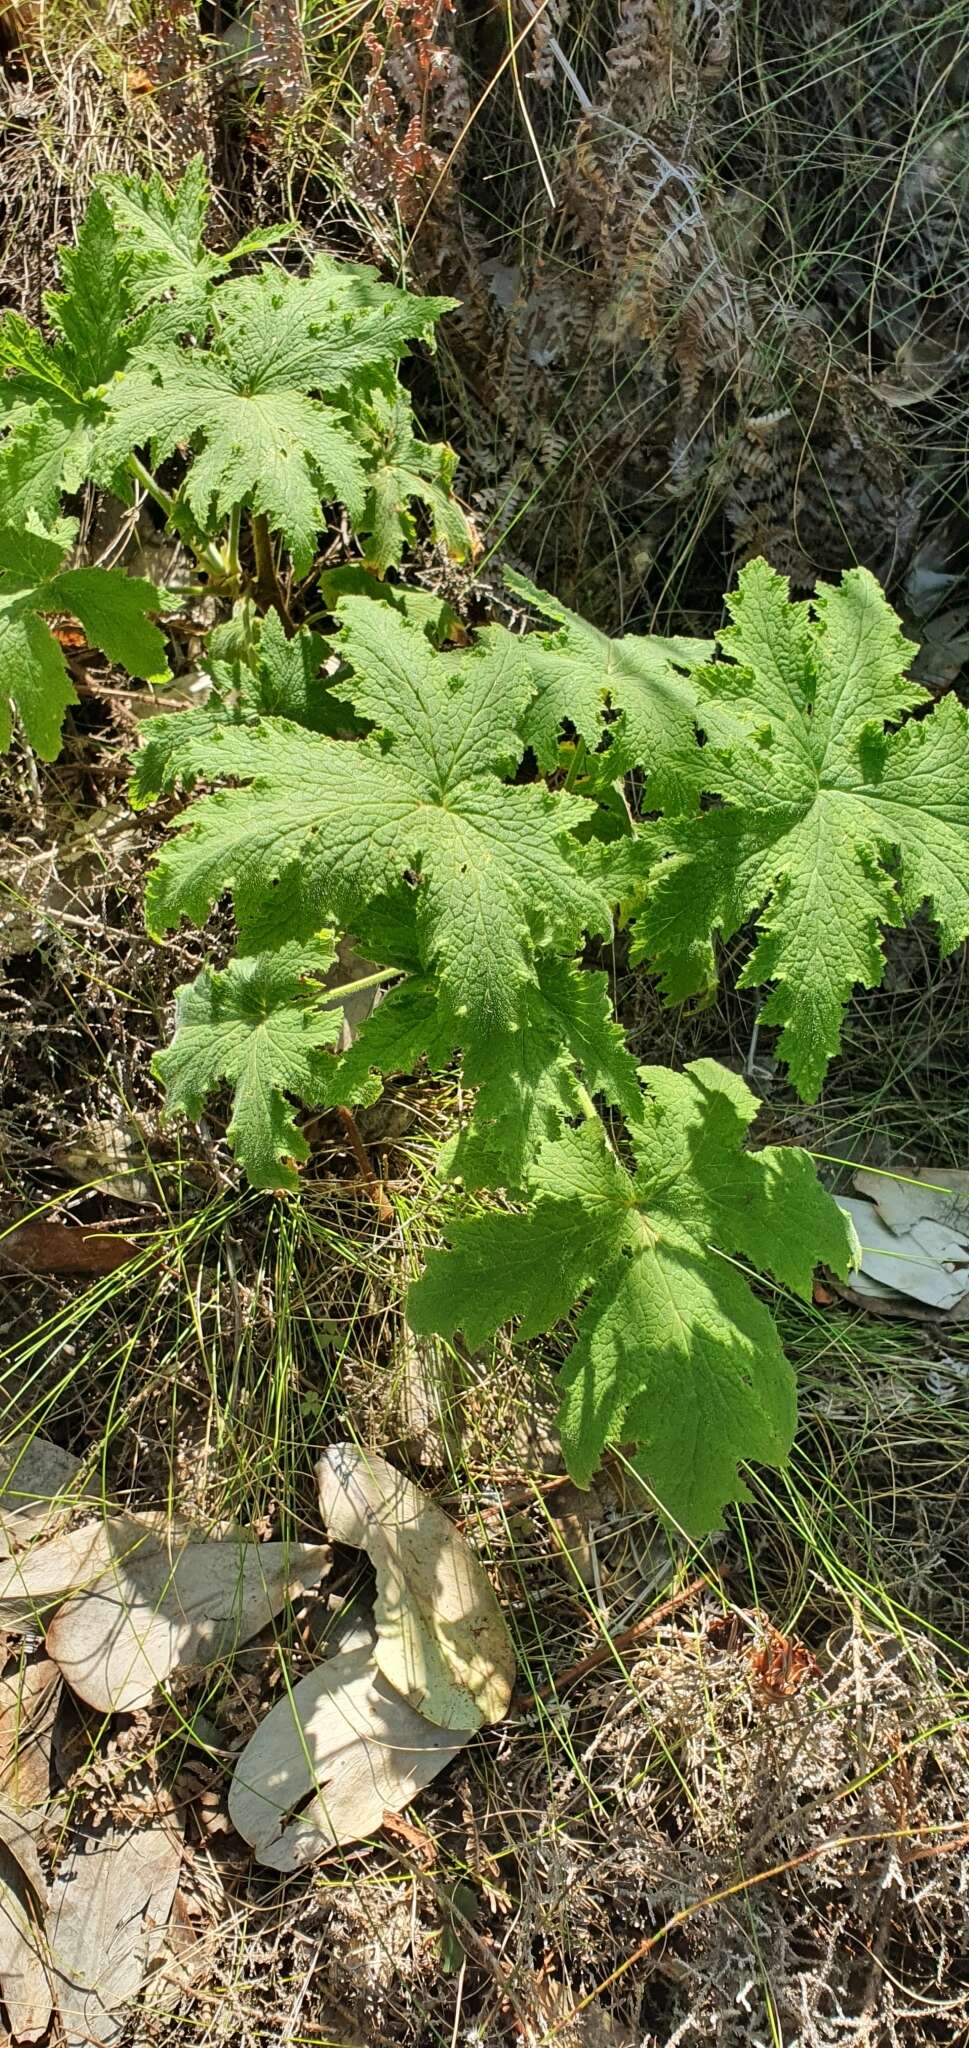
{"x": 607, "y": 1652}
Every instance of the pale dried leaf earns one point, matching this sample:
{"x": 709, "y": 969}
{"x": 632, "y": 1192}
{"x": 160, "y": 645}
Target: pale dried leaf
{"x": 928, "y": 1260}
{"x": 442, "y": 1639}
{"x": 161, "y": 1602}
{"x": 110, "y": 1903}
{"x": 29, "y": 1692}
{"x": 939, "y": 1194}
{"x": 330, "y": 1760}
{"x": 24, "y": 1979}
{"x": 39, "y": 1484}
{"x": 109, "y": 1154}
{"x": 425, "y": 1399}
{"x": 42, "y": 1576}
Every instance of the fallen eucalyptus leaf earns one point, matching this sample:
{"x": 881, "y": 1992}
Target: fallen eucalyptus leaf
{"x": 914, "y": 1241}
{"x": 42, "y": 1576}
{"x": 29, "y": 1693}
{"x": 442, "y": 1639}
{"x": 161, "y": 1602}
{"x": 939, "y": 1194}
{"x": 110, "y": 1903}
{"x": 52, "y": 1247}
{"x": 330, "y": 1760}
{"x": 24, "y": 1979}
{"x": 109, "y": 1153}
{"x": 39, "y": 1484}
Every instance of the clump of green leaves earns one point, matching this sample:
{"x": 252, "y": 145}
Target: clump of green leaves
{"x": 114, "y": 611}
{"x": 468, "y": 818}
{"x": 274, "y": 395}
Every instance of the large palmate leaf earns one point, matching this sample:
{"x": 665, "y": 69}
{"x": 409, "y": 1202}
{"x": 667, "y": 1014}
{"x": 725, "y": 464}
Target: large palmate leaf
{"x": 579, "y": 672}
{"x": 565, "y": 1047}
{"x": 327, "y": 826}
{"x": 829, "y": 828}
{"x": 260, "y": 1025}
{"x": 673, "y": 1351}
{"x": 114, "y": 610}
{"x": 249, "y": 402}
{"x": 138, "y": 268}
{"x": 163, "y": 230}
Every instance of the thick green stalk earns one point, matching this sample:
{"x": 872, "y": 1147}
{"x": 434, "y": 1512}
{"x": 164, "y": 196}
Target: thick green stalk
{"x": 204, "y": 551}
{"x": 354, "y": 988}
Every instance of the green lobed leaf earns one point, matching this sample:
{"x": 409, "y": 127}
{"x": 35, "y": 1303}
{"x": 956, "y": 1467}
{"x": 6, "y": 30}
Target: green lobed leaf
{"x": 324, "y": 827}
{"x": 163, "y": 231}
{"x": 401, "y": 468}
{"x": 92, "y": 314}
{"x": 271, "y": 447}
{"x": 249, "y": 402}
{"x": 408, "y": 1025}
{"x": 260, "y": 1025}
{"x": 579, "y": 671}
{"x": 424, "y": 608}
{"x": 673, "y": 1351}
{"x": 273, "y": 674}
{"x": 524, "y": 1080}
{"x": 51, "y": 391}
{"x": 41, "y": 456}
{"x": 567, "y": 1048}
{"x": 35, "y": 371}
{"x": 829, "y": 828}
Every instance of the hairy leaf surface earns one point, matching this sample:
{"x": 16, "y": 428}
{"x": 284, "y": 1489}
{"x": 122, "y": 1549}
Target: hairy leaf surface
{"x": 51, "y": 390}
{"x": 829, "y": 827}
{"x": 579, "y": 672}
{"x": 673, "y": 1351}
{"x": 248, "y": 403}
{"x": 325, "y": 827}
{"x": 259, "y": 1024}
{"x": 163, "y": 231}
{"x": 401, "y": 468}
{"x": 525, "y": 1080}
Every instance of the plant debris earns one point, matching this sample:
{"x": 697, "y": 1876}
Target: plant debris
{"x": 338, "y": 1753}
{"x": 442, "y": 1639}
{"x": 109, "y": 1908}
{"x": 158, "y": 1603}
{"x": 24, "y": 1977}
{"x": 913, "y": 1229}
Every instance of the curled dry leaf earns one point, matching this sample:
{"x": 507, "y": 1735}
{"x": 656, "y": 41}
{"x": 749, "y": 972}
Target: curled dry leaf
{"x": 914, "y": 1236}
{"x": 160, "y": 1601}
{"x": 442, "y": 1639}
{"x": 109, "y": 1908}
{"x": 24, "y": 1977}
{"x": 330, "y": 1760}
